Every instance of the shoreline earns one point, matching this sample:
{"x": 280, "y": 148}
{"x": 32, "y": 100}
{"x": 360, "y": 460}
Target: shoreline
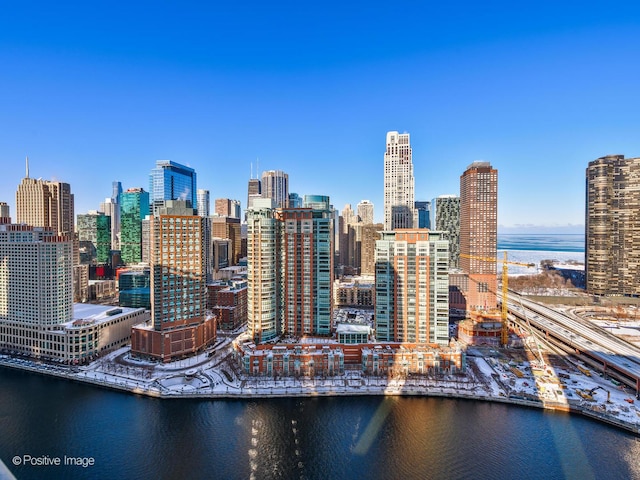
{"x": 345, "y": 391}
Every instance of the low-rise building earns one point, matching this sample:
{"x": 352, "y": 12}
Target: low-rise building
{"x": 102, "y": 290}
{"x": 329, "y": 359}
{"x": 353, "y": 333}
{"x": 307, "y": 360}
{"x": 94, "y": 331}
{"x": 406, "y": 359}
{"x": 481, "y": 328}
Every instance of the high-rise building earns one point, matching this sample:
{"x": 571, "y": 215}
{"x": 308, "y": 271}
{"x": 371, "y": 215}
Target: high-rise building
{"x": 180, "y": 325}
{"x": 445, "y": 217}
{"x": 116, "y": 191}
{"x": 226, "y": 207}
{"x": 36, "y": 276}
{"x": 399, "y": 185}
{"x": 275, "y": 185}
{"x": 295, "y": 201}
{"x": 347, "y": 237}
{"x": 146, "y": 239}
{"x": 350, "y": 218}
{"x": 95, "y": 227}
{"x": 5, "y": 214}
{"x": 290, "y": 269}
{"x": 479, "y": 233}
{"x": 228, "y": 227}
{"x": 172, "y": 181}
{"x": 322, "y": 261}
{"x": 254, "y": 191}
{"x": 412, "y": 287}
{"x": 365, "y": 212}
{"x": 43, "y": 203}
{"x": 262, "y": 274}
{"x": 612, "y": 230}
{"x": 370, "y": 234}
{"x": 203, "y": 204}
{"x": 306, "y": 269}
{"x": 423, "y": 216}
{"x": 133, "y": 209}
{"x": 37, "y": 314}
{"x": 115, "y": 214}
{"x": 112, "y": 209}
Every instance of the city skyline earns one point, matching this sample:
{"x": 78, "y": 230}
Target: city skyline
{"x": 539, "y": 94}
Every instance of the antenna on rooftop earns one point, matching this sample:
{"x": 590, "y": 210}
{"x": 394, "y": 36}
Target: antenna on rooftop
{"x": 27, "y": 161}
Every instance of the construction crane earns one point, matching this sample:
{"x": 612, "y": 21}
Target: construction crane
{"x": 504, "y": 334}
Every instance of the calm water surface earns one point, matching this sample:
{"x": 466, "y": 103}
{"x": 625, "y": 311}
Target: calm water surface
{"x": 327, "y": 438}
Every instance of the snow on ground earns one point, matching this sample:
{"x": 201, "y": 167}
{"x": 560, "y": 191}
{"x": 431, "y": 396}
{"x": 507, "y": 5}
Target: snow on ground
{"x": 535, "y": 256}
{"x": 206, "y": 375}
{"x": 626, "y": 327}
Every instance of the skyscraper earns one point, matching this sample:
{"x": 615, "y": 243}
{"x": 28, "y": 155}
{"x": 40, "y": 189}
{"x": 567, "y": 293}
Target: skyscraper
{"x": 115, "y": 214}
{"x": 254, "y": 190}
{"x": 203, "y": 204}
{"x": 178, "y": 289}
{"x": 347, "y": 237}
{"x": 370, "y": 234}
{"x": 479, "y": 233}
{"x": 43, "y": 203}
{"x": 36, "y": 276}
{"x": 399, "y": 199}
{"x": 322, "y": 261}
{"x": 290, "y": 269}
{"x": 228, "y": 227}
{"x": 423, "y": 214}
{"x": 412, "y": 287}
{"x": 445, "y": 217}
{"x": 612, "y": 230}
{"x": 275, "y": 185}
{"x": 365, "y": 212}
{"x": 111, "y": 208}
{"x": 133, "y": 209}
{"x": 172, "y": 181}
{"x": 262, "y": 274}
{"x": 95, "y": 227}
{"x": 116, "y": 191}
{"x": 5, "y": 214}
{"x": 226, "y": 207}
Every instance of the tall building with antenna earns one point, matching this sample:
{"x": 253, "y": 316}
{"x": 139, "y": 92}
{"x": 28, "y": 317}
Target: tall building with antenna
{"x": 44, "y": 203}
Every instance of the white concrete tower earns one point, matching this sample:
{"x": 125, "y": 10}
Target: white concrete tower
{"x": 399, "y": 204}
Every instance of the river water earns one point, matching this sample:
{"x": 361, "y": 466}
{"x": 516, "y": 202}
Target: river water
{"x": 126, "y": 436}
{"x": 129, "y": 436}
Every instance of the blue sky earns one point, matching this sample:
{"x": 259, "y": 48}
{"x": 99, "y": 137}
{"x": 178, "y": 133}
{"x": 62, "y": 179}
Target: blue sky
{"x": 96, "y": 92}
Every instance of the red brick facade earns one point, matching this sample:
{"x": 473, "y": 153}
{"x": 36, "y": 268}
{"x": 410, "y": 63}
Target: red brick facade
{"x": 311, "y": 360}
{"x": 170, "y": 345}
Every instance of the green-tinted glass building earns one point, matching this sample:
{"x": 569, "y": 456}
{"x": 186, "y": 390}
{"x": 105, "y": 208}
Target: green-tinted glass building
{"x": 134, "y": 207}
{"x": 95, "y": 227}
